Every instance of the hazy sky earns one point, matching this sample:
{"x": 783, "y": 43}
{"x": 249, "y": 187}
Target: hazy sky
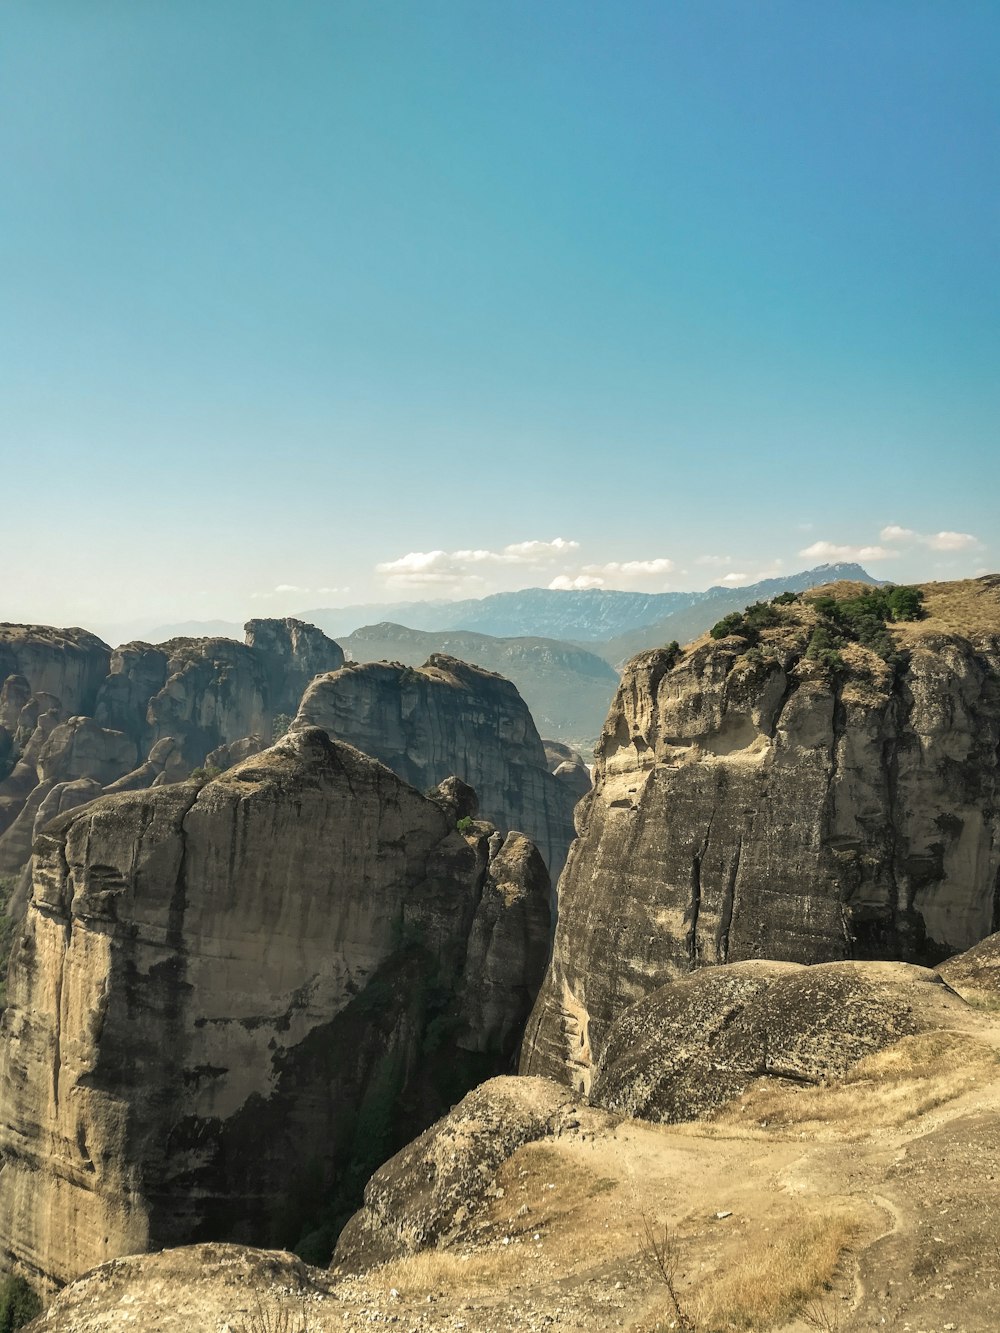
{"x": 317, "y": 303}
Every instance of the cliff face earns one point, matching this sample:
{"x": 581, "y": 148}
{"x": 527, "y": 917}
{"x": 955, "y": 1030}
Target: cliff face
{"x": 448, "y": 717}
{"x": 751, "y": 801}
{"x": 66, "y": 663}
{"x": 228, "y": 998}
{"x": 73, "y": 710}
{"x": 207, "y": 693}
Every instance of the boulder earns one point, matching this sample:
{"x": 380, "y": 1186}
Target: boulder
{"x": 975, "y": 974}
{"x": 420, "y": 1197}
{"x": 696, "y": 1043}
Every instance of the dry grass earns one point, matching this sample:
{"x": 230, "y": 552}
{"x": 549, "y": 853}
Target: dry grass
{"x": 885, "y": 1090}
{"x": 771, "y": 1278}
{"x": 967, "y": 606}
{"x": 265, "y": 1318}
{"x": 447, "y": 1270}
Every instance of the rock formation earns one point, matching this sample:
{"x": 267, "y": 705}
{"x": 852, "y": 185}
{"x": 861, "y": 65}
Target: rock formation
{"x": 420, "y": 1196}
{"x": 71, "y": 710}
{"x": 975, "y": 974}
{"x": 207, "y": 693}
{"x": 567, "y": 765}
{"x": 68, "y": 664}
{"x": 696, "y": 1043}
{"x": 763, "y": 796}
{"x": 448, "y": 717}
{"x": 231, "y": 1001}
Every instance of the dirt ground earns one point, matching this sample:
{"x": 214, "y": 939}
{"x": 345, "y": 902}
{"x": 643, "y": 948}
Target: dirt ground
{"x": 873, "y": 1202}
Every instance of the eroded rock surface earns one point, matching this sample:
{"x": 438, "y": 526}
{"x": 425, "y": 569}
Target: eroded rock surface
{"x": 439, "y": 1181}
{"x": 448, "y": 717}
{"x": 73, "y": 710}
{"x": 752, "y": 802}
{"x": 696, "y": 1043}
{"x": 231, "y": 1001}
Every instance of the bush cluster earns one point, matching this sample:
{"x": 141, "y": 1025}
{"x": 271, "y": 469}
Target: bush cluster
{"x": 863, "y": 620}
{"x": 749, "y": 623}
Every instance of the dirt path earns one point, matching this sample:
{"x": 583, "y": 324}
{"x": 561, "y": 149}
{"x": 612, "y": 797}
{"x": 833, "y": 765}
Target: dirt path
{"x": 901, "y": 1168}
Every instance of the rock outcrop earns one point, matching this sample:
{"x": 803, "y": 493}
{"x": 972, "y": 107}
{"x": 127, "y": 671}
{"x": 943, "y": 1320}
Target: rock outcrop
{"x": 975, "y": 974}
{"x": 68, "y": 664}
{"x": 422, "y": 1195}
{"x": 568, "y": 766}
{"x": 231, "y": 1001}
{"x": 762, "y": 796}
{"x": 696, "y": 1043}
{"x": 448, "y": 717}
{"x": 73, "y": 710}
{"x": 206, "y": 693}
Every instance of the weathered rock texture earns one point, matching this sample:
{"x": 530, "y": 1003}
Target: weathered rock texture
{"x": 232, "y": 1001}
{"x": 696, "y": 1043}
{"x": 72, "y": 710}
{"x": 568, "y": 766}
{"x": 975, "y": 974}
{"x": 420, "y": 1197}
{"x": 750, "y": 802}
{"x": 448, "y": 717}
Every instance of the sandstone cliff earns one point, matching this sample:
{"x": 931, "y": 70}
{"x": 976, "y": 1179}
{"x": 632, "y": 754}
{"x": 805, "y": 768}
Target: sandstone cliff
{"x": 448, "y": 717}
{"x": 787, "y": 793}
{"x": 231, "y": 1001}
{"x": 73, "y": 711}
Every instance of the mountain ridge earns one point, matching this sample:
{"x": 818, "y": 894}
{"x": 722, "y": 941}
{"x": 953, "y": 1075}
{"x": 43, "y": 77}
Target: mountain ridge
{"x": 585, "y": 615}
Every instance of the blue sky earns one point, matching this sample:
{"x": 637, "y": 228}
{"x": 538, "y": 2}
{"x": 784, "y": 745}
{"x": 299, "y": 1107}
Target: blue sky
{"x": 332, "y": 302}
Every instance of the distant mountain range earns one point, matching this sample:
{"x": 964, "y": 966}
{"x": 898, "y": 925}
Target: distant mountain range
{"x": 585, "y": 615}
{"x": 560, "y": 648}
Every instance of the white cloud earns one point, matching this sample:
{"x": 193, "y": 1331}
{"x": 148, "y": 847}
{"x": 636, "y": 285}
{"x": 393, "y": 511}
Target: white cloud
{"x": 951, "y": 541}
{"x": 565, "y": 583}
{"x": 894, "y": 533}
{"x": 532, "y": 553}
{"x": 936, "y": 541}
{"x": 734, "y": 579}
{"x": 716, "y": 561}
{"x": 455, "y": 568}
{"x": 631, "y": 569}
{"x": 833, "y": 551}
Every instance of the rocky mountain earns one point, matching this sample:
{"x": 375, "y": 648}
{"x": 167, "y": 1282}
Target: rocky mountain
{"x": 566, "y": 687}
{"x": 580, "y": 615}
{"x": 795, "y": 789}
{"x": 596, "y": 615}
{"x": 450, "y": 718}
{"x": 78, "y": 719}
{"x": 230, "y": 1001}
